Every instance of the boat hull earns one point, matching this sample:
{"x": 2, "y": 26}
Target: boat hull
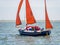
{"x": 42, "y": 33}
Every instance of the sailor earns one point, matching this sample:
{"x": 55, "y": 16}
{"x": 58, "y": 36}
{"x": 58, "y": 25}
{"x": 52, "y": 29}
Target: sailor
{"x": 32, "y": 28}
{"x": 37, "y": 28}
{"x": 29, "y": 28}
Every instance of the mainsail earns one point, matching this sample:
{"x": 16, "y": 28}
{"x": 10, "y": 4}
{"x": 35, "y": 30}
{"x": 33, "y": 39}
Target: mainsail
{"x": 48, "y": 24}
{"x": 18, "y": 21}
{"x": 29, "y": 15}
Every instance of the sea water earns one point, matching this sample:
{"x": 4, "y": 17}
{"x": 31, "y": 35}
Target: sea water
{"x": 9, "y": 35}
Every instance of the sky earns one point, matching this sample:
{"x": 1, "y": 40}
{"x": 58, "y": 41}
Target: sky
{"x": 8, "y": 9}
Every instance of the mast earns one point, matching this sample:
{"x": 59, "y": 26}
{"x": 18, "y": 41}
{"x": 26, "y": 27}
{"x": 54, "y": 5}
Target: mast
{"x": 18, "y": 21}
{"x": 29, "y": 15}
{"x": 47, "y": 21}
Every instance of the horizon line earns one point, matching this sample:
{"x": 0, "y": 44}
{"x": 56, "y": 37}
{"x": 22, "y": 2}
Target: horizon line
{"x": 24, "y": 20}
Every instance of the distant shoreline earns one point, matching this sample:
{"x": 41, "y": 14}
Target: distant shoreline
{"x": 24, "y": 20}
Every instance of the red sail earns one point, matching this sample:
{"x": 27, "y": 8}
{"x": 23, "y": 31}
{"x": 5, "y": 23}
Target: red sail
{"x": 29, "y": 15}
{"x": 18, "y": 21}
{"x": 48, "y": 24}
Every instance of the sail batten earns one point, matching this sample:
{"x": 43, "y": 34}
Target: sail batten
{"x": 29, "y": 15}
{"x": 48, "y": 25}
{"x": 18, "y": 21}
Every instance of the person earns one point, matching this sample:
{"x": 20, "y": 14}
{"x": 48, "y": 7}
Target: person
{"x": 29, "y": 28}
{"x": 37, "y": 28}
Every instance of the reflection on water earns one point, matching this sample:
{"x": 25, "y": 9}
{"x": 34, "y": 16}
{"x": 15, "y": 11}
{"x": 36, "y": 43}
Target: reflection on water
{"x": 10, "y": 36}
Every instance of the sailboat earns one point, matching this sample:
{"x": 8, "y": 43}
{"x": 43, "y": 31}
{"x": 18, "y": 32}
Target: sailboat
{"x": 31, "y": 20}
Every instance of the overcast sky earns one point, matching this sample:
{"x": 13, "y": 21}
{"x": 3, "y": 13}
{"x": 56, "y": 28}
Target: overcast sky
{"x": 8, "y": 9}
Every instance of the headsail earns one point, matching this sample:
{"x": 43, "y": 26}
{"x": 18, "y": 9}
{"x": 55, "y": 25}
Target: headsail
{"x": 18, "y": 21}
{"x": 29, "y": 15}
{"x": 48, "y": 24}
